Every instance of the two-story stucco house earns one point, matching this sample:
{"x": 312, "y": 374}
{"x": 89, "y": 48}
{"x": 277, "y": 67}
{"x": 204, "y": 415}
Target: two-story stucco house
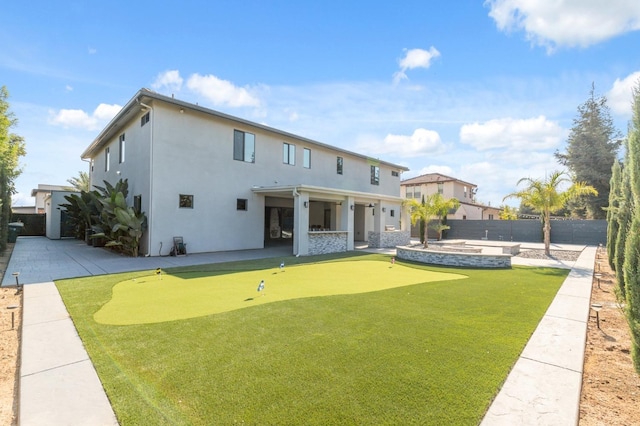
{"x": 449, "y": 187}
{"x": 225, "y": 183}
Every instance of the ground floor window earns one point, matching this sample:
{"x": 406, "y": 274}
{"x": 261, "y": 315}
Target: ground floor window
{"x": 185, "y": 201}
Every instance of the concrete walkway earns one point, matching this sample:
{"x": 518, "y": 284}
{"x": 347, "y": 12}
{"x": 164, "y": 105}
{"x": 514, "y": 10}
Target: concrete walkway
{"x": 59, "y": 386}
{"x": 544, "y": 386}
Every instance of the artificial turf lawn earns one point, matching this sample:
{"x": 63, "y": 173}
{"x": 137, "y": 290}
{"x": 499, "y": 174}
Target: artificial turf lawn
{"x": 167, "y": 297}
{"x": 427, "y": 353}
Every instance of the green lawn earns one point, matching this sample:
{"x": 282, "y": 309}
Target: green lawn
{"x": 345, "y": 339}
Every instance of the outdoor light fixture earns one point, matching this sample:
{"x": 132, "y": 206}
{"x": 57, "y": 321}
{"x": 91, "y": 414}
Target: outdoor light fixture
{"x": 384, "y": 209}
{"x": 371, "y": 206}
{"x": 596, "y": 307}
{"x": 352, "y": 207}
{"x": 306, "y": 204}
{"x": 598, "y": 276}
{"x": 181, "y": 110}
{"x": 17, "y": 274}
{"x": 13, "y": 320}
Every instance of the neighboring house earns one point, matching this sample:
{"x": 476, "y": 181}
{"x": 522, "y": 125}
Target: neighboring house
{"x": 225, "y": 183}
{"x": 449, "y": 187}
{"x": 56, "y": 216}
{"x": 23, "y": 209}
{"x": 41, "y": 193}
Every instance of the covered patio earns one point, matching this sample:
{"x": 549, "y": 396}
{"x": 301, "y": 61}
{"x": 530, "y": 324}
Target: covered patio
{"x": 330, "y": 220}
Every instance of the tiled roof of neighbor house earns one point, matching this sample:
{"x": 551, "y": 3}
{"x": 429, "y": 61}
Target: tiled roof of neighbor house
{"x": 433, "y": 177}
{"x": 134, "y": 107}
{"x": 480, "y": 205}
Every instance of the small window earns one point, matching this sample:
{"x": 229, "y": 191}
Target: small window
{"x": 339, "y": 165}
{"x": 464, "y": 217}
{"x": 394, "y": 173}
{"x": 465, "y": 192}
{"x": 417, "y": 193}
{"x": 144, "y": 119}
{"x": 244, "y": 146}
{"x": 440, "y": 188}
{"x": 392, "y": 213}
{"x": 107, "y": 159}
{"x": 490, "y": 217}
{"x": 306, "y": 160}
{"x": 241, "y": 204}
{"x": 121, "y": 152}
{"x": 186, "y": 201}
{"x": 375, "y": 175}
{"x": 409, "y": 193}
{"x": 289, "y": 154}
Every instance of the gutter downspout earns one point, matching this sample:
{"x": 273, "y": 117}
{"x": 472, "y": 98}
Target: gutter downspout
{"x": 149, "y": 214}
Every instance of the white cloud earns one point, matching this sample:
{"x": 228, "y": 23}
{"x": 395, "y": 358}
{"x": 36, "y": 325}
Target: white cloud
{"x": 571, "y": 23}
{"x": 68, "y": 88}
{"x": 77, "y": 118}
{"x": 168, "y": 81}
{"x": 415, "y": 58}
{"x": 514, "y": 134}
{"x": 221, "y": 92}
{"x": 434, "y": 168}
{"x": 92, "y": 50}
{"x": 105, "y": 112}
{"x": 421, "y": 142}
{"x": 620, "y": 97}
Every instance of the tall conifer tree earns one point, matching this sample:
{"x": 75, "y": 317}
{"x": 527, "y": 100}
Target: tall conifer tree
{"x": 11, "y": 149}
{"x": 592, "y": 149}
{"x": 615, "y": 196}
{"x": 632, "y": 246}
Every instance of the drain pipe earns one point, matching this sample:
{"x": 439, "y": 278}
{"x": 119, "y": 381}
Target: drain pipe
{"x": 149, "y": 210}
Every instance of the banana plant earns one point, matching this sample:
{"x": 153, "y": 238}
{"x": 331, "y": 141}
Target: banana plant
{"x": 130, "y": 226}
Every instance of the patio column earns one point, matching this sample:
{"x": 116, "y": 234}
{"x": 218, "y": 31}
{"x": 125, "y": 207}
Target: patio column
{"x": 378, "y": 217}
{"x": 301, "y": 224}
{"x": 347, "y": 220}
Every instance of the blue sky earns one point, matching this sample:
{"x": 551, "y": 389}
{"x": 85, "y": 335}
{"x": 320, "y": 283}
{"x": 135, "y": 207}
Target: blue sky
{"x": 482, "y": 91}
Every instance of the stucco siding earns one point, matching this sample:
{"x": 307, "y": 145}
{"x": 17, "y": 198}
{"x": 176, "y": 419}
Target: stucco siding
{"x": 190, "y": 151}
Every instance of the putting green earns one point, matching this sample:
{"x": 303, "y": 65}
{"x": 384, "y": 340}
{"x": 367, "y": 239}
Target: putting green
{"x": 168, "y": 297}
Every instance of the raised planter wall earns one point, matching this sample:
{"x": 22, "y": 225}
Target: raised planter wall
{"x": 438, "y": 257}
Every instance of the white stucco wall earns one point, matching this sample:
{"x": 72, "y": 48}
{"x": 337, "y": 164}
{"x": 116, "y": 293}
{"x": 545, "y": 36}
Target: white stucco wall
{"x": 191, "y": 153}
{"x": 52, "y": 206}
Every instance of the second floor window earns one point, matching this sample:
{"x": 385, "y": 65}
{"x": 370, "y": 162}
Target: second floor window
{"x": 107, "y": 159}
{"x": 144, "y": 119}
{"x": 288, "y": 154}
{"x": 339, "y": 165}
{"x": 306, "y": 159}
{"x": 440, "y": 188}
{"x": 244, "y": 146}
{"x": 375, "y": 175}
{"x": 409, "y": 193}
{"x": 121, "y": 153}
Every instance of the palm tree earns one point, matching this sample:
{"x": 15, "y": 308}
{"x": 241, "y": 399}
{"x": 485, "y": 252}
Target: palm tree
{"x": 80, "y": 183}
{"x": 434, "y": 206}
{"x": 546, "y": 197}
